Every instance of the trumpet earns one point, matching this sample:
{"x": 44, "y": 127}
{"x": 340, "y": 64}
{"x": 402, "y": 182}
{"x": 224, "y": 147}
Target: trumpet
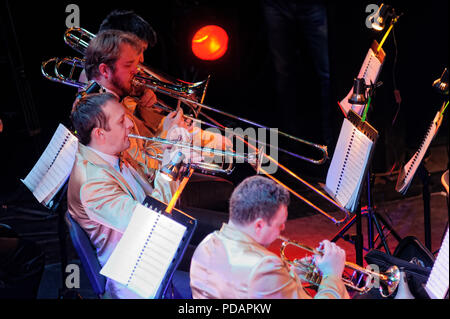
{"x": 388, "y": 280}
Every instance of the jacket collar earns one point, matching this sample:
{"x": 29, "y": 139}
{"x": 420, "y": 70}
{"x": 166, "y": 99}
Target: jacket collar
{"x": 233, "y": 233}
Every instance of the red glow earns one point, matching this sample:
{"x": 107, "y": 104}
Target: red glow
{"x": 210, "y": 43}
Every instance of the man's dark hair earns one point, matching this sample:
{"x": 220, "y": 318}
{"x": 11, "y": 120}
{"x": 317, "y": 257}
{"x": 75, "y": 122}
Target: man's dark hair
{"x": 257, "y": 197}
{"x": 88, "y": 114}
{"x": 129, "y": 21}
{"x": 105, "y": 48}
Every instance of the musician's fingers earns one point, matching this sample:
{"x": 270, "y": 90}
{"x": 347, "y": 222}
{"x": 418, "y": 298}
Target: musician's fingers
{"x": 172, "y": 114}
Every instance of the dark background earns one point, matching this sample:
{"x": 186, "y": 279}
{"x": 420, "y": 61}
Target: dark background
{"x": 242, "y": 80}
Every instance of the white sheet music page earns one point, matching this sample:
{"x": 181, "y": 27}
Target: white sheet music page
{"x": 347, "y": 167}
{"x": 438, "y": 282}
{"x": 54, "y": 166}
{"x": 145, "y": 251}
{"x": 369, "y": 71}
{"x": 408, "y": 171}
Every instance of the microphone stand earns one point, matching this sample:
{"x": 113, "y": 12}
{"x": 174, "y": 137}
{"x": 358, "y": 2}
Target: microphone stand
{"x": 185, "y": 178}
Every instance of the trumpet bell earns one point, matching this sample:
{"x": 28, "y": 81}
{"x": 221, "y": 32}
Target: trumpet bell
{"x": 389, "y": 286}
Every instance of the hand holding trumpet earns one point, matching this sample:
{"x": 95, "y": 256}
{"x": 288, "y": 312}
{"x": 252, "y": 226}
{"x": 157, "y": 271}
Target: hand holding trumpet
{"x": 330, "y": 259}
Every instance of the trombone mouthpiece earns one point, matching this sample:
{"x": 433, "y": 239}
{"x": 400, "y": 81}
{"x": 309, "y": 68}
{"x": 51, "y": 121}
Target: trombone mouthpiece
{"x": 136, "y": 136}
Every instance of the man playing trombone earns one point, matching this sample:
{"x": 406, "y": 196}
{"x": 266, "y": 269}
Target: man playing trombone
{"x": 111, "y": 60}
{"x": 103, "y": 190}
{"x": 142, "y": 103}
{"x": 234, "y": 263}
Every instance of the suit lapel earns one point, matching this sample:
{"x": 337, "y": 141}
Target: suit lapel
{"x": 95, "y": 159}
{"x": 137, "y": 172}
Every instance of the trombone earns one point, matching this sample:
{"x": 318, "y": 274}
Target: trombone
{"x": 205, "y": 167}
{"x": 174, "y": 91}
{"x": 79, "y": 39}
{"x": 192, "y": 94}
{"x": 388, "y": 280}
{"x": 186, "y": 92}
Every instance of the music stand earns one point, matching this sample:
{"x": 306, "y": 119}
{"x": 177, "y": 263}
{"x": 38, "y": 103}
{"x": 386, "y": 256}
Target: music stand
{"x": 369, "y": 211}
{"x": 416, "y": 165}
{"x": 373, "y": 218}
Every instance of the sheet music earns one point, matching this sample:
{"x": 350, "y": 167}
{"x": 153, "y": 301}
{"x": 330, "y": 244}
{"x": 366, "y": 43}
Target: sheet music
{"x": 145, "y": 251}
{"x": 54, "y": 166}
{"x": 407, "y": 172}
{"x": 438, "y": 282}
{"x": 369, "y": 71}
{"x": 346, "y": 171}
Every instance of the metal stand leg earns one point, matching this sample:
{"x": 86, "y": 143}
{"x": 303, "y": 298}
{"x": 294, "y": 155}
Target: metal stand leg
{"x": 62, "y": 248}
{"x": 359, "y": 239}
{"x": 425, "y": 177}
{"x": 373, "y": 218}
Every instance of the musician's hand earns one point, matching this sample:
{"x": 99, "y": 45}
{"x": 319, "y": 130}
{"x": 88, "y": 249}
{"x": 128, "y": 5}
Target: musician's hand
{"x": 173, "y": 119}
{"x": 176, "y": 119}
{"x": 222, "y": 142}
{"x": 332, "y": 262}
{"x": 147, "y": 99}
{"x": 302, "y": 265}
{"x": 227, "y": 143}
{"x": 212, "y": 139}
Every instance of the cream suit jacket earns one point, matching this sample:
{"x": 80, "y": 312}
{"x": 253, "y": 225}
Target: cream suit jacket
{"x": 228, "y": 264}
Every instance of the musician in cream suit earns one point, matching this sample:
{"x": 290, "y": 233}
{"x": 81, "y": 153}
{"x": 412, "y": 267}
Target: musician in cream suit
{"x": 104, "y": 191}
{"x": 112, "y": 58}
{"x": 234, "y": 263}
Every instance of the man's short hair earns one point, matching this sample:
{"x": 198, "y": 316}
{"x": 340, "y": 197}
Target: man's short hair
{"x": 88, "y": 114}
{"x": 129, "y": 21}
{"x": 105, "y": 48}
{"x": 257, "y": 197}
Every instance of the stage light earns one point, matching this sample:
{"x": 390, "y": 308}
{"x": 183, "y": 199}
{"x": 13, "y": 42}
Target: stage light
{"x": 210, "y": 43}
{"x": 385, "y": 12}
{"x": 441, "y": 84}
{"x": 359, "y": 92}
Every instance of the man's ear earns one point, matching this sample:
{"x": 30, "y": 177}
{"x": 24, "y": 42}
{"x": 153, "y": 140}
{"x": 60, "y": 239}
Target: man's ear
{"x": 104, "y": 70}
{"x": 259, "y": 224}
{"x": 97, "y": 135}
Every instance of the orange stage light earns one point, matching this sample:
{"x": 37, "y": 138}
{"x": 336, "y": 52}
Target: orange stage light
{"x": 210, "y": 43}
